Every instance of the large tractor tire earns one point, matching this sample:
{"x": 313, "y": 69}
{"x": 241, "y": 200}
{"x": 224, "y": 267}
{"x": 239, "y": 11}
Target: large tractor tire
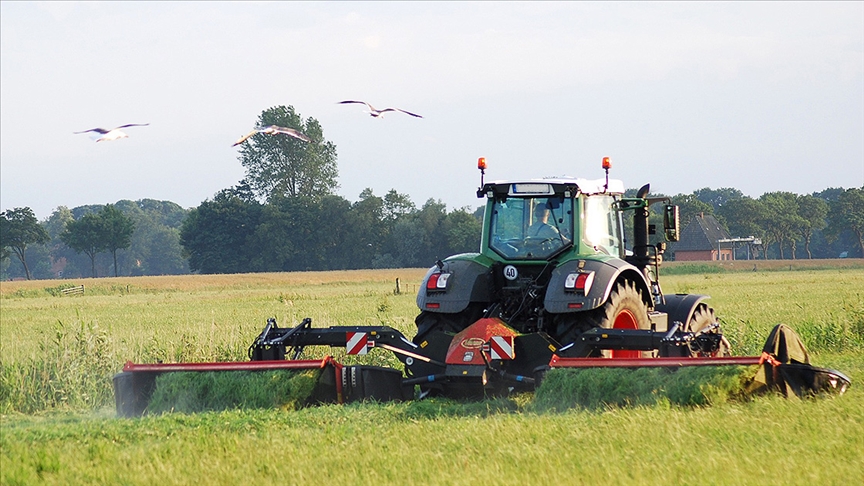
{"x": 624, "y": 309}
{"x": 429, "y": 323}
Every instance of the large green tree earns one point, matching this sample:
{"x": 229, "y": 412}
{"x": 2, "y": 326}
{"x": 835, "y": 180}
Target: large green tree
{"x": 396, "y": 206}
{"x": 68, "y": 262}
{"x": 284, "y": 166}
{"x": 847, "y": 214}
{"x": 368, "y": 229}
{"x": 215, "y": 235}
{"x": 85, "y": 235}
{"x": 117, "y": 231}
{"x": 462, "y": 231}
{"x": 781, "y": 218}
{"x": 18, "y": 229}
{"x": 812, "y": 212}
{"x": 155, "y": 244}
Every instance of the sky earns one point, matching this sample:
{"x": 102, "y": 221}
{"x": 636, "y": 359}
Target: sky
{"x": 756, "y": 96}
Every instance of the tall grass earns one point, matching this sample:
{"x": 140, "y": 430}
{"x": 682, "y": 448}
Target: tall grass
{"x": 79, "y": 342}
{"x": 825, "y": 307}
{"x": 60, "y": 352}
{"x": 69, "y": 371}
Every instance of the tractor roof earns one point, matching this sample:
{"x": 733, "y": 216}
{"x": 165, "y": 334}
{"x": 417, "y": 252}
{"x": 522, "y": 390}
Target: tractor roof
{"x": 539, "y": 187}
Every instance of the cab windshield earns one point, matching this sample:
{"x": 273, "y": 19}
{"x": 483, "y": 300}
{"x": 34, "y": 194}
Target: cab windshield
{"x": 533, "y": 228}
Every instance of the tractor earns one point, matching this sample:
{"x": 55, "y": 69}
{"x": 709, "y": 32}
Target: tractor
{"x": 554, "y": 262}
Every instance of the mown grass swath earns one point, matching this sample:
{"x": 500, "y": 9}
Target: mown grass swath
{"x": 599, "y": 388}
{"x": 199, "y": 391}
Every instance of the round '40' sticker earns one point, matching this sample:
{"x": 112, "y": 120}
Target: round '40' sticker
{"x": 510, "y": 272}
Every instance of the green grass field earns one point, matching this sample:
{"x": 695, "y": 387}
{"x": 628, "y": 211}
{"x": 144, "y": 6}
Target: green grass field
{"x": 59, "y": 352}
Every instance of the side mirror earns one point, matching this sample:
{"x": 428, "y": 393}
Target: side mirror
{"x": 671, "y": 222}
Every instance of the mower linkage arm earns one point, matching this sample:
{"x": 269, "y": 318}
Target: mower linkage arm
{"x": 598, "y": 338}
{"x": 273, "y": 340}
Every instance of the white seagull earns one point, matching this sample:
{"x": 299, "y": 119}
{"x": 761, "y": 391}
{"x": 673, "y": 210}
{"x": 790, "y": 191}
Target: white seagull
{"x": 375, "y": 113}
{"x": 273, "y": 130}
{"x": 112, "y": 134}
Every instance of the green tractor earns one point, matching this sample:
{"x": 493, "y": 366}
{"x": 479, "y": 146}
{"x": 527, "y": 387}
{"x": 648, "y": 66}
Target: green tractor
{"x": 554, "y": 260}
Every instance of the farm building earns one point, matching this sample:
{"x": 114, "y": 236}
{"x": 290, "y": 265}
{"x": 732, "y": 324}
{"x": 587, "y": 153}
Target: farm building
{"x": 700, "y": 241}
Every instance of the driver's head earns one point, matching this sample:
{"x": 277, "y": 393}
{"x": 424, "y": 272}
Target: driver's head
{"x": 541, "y": 212}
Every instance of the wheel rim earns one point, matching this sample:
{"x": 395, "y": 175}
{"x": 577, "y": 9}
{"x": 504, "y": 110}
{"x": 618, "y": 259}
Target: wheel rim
{"x": 625, "y": 320}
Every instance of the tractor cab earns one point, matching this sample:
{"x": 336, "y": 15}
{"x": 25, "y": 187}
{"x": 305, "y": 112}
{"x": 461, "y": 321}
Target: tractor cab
{"x": 542, "y": 219}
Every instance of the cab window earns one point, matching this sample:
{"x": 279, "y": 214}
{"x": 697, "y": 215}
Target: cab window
{"x": 601, "y": 223}
{"x": 531, "y": 227}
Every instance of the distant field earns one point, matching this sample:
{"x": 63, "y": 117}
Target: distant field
{"x": 58, "y": 354}
{"x": 761, "y": 265}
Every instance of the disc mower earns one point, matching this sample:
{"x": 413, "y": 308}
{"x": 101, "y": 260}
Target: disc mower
{"x": 555, "y": 285}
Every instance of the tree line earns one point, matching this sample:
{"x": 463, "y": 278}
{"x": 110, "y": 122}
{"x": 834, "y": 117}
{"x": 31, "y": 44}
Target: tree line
{"x": 235, "y": 233}
{"x": 826, "y": 224}
{"x": 285, "y": 215}
{"x": 232, "y": 233}
{"x": 126, "y": 238}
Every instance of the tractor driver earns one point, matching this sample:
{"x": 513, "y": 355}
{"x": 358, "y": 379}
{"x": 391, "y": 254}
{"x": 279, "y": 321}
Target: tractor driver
{"x": 540, "y": 229}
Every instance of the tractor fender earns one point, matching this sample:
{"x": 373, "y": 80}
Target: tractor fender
{"x": 680, "y": 307}
{"x": 469, "y": 281}
{"x": 607, "y": 273}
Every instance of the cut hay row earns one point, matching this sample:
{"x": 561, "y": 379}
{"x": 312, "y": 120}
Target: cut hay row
{"x": 190, "y": 392}
{"x": 598, "y": 388}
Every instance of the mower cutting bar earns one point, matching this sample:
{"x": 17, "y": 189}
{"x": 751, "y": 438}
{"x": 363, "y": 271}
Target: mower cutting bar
{"x": 228, "y": 366}
{"x": 559, "y": 362}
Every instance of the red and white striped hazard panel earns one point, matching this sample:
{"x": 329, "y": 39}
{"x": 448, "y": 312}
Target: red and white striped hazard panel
{"x": 356, "y": 343}
{"x": 501, "y": 347}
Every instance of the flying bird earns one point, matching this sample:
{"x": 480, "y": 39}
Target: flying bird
{"x": 273, "y": 130}
{"x": 112, "y": 134}
{"x": 375, "y": 113}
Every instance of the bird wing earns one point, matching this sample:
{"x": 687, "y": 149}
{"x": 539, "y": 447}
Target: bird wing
{"x": 97, "y": 130}
{"x": 361, "y": 102}
{"x": 245, "y": 137}
{"x": 131, "y": 125}
{"x": 291, "y": 132}
{"x": 406, "y": 112}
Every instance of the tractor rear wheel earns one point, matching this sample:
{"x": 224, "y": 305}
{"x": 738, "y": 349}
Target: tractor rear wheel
{"x": 429, "y": 323}
{"x": 625, "y": 309}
